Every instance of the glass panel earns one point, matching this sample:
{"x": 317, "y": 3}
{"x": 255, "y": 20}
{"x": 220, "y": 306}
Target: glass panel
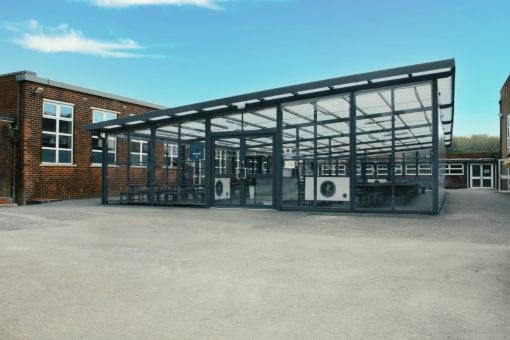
{"x": 259, "y": 120}
{"x": 96, "y": 157}
{"x": 487, "y": 170}
{"x": 64, "y": 142}
{"x": 48, "y": 140}
{"x": 97, "y": 116}
{"x": 64, "y": 126}
{"x": 135, "y": 147}
{"x": 49, "y": 125}
{"x": 48, "y": 156}
{"x": 227, "y": 184}
{"x": 110, "y": 116}
{"x": 487, "y": 183}
{"x": 64, "y": 156}
{"x": 66, "y": 111}
{"x": 476, "y": 171}
{"x": 476, "y": 183}
{"x": 259, "y": 171}
{"x": 50, "y": 109}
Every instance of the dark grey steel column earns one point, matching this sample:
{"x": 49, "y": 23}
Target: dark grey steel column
{"x": 435, "y": 149}
{"x": 352, "y": 127}
{"x": 152, "y": 165}
{"x": 391, "y": 167}
{"x": 315, "y": 165}
{"x": 104, "y": 168}
{"x": 128, "y": 165}
{"x": 278, "y": 163}
{"x": 209, "y": 164}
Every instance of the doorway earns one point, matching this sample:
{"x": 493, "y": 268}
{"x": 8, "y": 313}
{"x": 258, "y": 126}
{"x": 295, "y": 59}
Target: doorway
{"x": 482, "y": 176}
{"x": 243, "y": 170}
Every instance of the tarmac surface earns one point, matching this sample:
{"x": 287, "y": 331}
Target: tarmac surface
{"x": 79, "y": 270}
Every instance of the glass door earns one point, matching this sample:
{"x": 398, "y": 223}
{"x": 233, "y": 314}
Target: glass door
{"x": 243, "y": 171}
{"x": 258, "y": 162}
{"x": 482, "y": 176}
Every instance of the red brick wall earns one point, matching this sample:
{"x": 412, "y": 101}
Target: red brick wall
{"x": 63, "y": 182}
{"x": 8, "y": 95}
{"x": 8, "y": 100}
{"x": 6, "y": 154}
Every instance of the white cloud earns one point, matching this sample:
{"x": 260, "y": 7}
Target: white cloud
{"x": 128, "y": 3}
{"x": 63, "y": 38}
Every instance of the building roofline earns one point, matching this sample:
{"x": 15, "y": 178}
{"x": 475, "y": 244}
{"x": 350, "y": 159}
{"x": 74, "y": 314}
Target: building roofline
{"x": 32, "y": 77}
{"x": 506, "y": 83}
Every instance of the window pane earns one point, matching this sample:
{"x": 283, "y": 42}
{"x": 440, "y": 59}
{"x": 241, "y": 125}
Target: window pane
{"x": 135, "y": 147}
{"x": 50, "y": 109}
{"x": 64, "y": 156}
{"x": 65, "y": 126}
{"x": 144, "y": 159}
{"x": 64, "y": 142}
{"x": 111, "y": 144}
{"x": 49, "y": 124}
{"x": 96, "y": 143}
{"x": 96, "y": 157}
{"x": 48, "y": 140}
{"x": 66, "y": 111}
{"x": 111, "y": 158}
{"x": 135, "y": 159}
{"x": 97, "y": 116}
{"x": 110, "y": 116}
{"x": 145, "y": 147}
{"x": 48, "y": 156}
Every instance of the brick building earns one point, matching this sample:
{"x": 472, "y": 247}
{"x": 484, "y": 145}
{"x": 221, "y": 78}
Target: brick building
{"x": 45, "y": 152}
{"x": 504, "y": 114}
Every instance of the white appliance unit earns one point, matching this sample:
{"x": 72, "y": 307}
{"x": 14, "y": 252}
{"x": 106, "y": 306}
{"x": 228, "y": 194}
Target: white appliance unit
{"x": 328, "y": 189}
{"x": 222, "y": 188}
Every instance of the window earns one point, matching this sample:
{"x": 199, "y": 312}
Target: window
{"x": 139, "y": 152}
{"x": 411, "y": 169}
{"x": 99, "y": 115}
{"x": 170, "y": 155}
{"x": 340, "y": 168}
{"x": 382, "y": 169}
{"x": 508, "y": 134}
{"x": 424, "y": 169}
{"x": 57, "y": 133}
{"x": 398, "y": 169}
{"x": 325, "y": 170}
{"x": 369, "y": 169}
{"x": 453, "y": 169}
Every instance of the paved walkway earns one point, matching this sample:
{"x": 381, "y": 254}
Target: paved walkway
{"x": 76, "y": 269}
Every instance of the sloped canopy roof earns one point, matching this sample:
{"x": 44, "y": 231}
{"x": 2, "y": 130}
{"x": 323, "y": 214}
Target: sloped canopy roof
{"x": 412, "y": 103}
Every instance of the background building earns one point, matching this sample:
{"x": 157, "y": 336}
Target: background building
{"x": 45, "y": 151}
{"x": 471, "y": 170}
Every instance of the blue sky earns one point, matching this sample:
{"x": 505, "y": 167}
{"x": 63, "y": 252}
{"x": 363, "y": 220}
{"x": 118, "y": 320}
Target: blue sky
{"x": 174, "y": 52}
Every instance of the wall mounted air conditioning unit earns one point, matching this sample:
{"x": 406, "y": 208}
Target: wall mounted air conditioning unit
{"x": 328, "y": 189}
{"x": 221, "y": 188}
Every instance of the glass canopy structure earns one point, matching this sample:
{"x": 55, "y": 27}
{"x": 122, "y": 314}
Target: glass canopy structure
{"x": 371, "y": 142}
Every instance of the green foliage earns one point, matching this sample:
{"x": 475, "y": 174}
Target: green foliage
{"x": 474, "y": 143}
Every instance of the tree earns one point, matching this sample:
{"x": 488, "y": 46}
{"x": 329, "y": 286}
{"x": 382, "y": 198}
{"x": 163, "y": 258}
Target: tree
{"x": 474, "y": 143}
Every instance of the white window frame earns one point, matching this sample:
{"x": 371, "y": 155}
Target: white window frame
{"x": 139, "y": 154}
{"x": 369, "y": 169}
{"x": 341, "y": 170}
{"x": 453, "y": 169}
{"x": 171, "y": 154}
{"x": 424, "y": 169}
{"x": 111, "y": 139}
{"x": 382, "y": 169}
{"x": 411, "y": 169}
{"x": 325, "y": 170}
{"x": 508, "y": 134}
{"x": 398, "y": 169}
{"x": 57, "y": 133}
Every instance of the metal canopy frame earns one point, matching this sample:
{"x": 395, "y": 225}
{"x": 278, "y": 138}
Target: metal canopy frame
{"x": 384, "y": 129}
